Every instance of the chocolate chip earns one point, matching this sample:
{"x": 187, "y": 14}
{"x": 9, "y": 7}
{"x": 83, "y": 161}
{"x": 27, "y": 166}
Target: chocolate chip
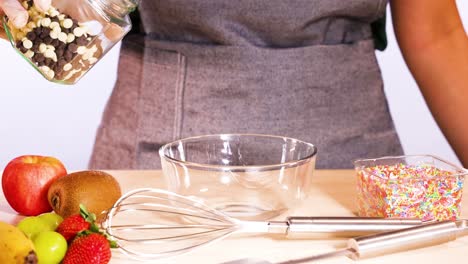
{"x": 72, "y": 47}
{"x": 38, "y": 57}
{"x": 61, "y": 45}
{"x": 60, "y": 52}
{"x": 19, "y": 44}
{"x": 55, "y": 43}
{"x": 38, "y": 31}
{"x": 55, "y": 67}
{"x": 23, "y": 49}
{"x": 31, "y": 35}
{"x": 48, "y": 62}
{"x": 68, "y": 55}
{"x": 45, "y": 33}
{"x": 82, "y": 41}
{"x": 61, "y": 63}
{"x": 35, "y": 47}
{"x": 48, "y": 40}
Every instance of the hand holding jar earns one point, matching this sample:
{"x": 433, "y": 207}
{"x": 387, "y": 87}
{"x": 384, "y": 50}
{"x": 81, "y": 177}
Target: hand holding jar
{"x": 17, "y": 13}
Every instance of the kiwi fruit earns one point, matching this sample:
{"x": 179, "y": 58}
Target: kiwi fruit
{"x": 96, "y": 190}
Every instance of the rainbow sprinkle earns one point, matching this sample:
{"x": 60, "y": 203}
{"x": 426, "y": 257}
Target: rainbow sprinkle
{"x": 409, "y": 191}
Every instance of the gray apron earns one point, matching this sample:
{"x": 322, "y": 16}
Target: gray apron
{"x": 298, "y": 68}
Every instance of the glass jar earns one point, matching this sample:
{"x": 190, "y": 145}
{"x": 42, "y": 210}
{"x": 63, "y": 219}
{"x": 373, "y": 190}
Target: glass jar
{"x": 66, "y": 41}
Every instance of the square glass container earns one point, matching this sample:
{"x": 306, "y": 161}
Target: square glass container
{"x": 412, "y": 186}
{"x": 66, "y": 41}
{"x": 247, "y": 176}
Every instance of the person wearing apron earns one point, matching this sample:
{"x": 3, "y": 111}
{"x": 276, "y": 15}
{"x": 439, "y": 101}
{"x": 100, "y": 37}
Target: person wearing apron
{"x": 304, "y": 69}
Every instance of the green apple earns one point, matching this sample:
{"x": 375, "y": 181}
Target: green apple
{"x": 50, "y": 246}
{"x": 33, "y": 225}
{"x": 52, "y": 219}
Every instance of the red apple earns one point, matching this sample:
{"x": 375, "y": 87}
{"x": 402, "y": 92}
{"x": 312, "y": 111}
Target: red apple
{"x": 26, "y": 180}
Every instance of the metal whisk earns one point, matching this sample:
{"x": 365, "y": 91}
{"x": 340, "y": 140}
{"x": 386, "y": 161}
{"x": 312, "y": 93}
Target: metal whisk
{"x": 152, "y": 223}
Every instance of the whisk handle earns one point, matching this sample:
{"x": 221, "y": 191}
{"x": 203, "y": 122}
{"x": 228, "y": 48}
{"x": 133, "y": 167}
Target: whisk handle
{"x": 402, "y": 240}
{"x": 341, "y": 226}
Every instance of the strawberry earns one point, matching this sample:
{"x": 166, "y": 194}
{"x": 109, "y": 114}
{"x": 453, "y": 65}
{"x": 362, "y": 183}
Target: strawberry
{"x": 88, "y": 248}
{"x": 72, "y": 225}
{"x": 75, "y": 224}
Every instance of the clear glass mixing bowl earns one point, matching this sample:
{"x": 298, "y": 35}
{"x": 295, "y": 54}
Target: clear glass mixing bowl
{"x": 247, "y": 176}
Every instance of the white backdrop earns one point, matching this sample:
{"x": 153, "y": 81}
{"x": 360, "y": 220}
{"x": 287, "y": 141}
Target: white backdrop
{"x": 39, "y": 117}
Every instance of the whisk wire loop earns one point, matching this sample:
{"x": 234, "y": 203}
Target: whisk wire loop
{"x": 177, "y": 224}
{"x": 139, "y": 255}
{"x": 169, "y": 209}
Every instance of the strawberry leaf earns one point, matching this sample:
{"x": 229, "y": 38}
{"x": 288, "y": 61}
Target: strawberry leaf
{"x": 89, "y": 217}
{"x": 94, "y": 228}
{"x": 112, "y": 243}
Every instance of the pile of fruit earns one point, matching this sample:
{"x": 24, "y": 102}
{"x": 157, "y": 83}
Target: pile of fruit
{"x": 60, "y": 208}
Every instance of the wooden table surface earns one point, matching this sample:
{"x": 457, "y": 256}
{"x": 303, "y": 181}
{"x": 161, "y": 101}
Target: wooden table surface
{"x": 333, "y": 194}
